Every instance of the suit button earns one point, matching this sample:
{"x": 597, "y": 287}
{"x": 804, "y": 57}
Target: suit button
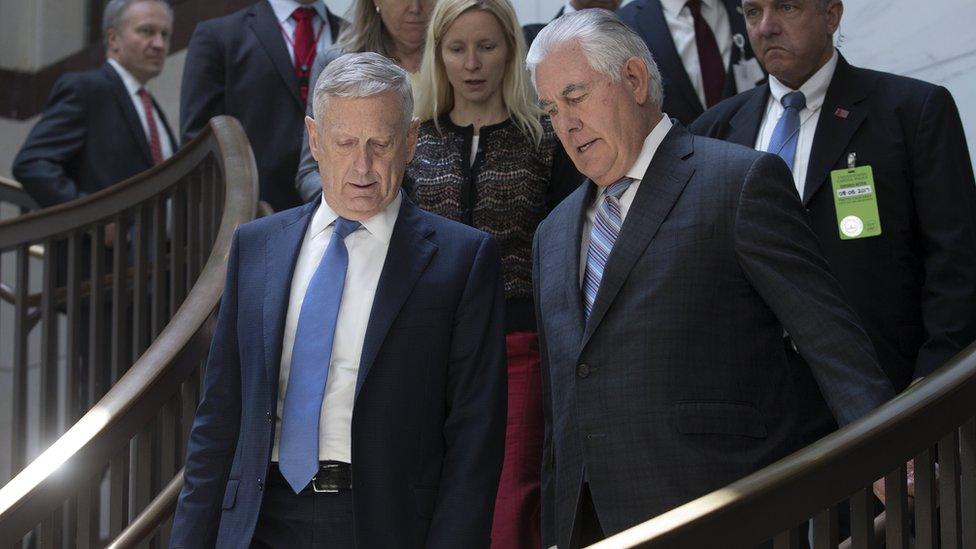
{"x": 582, "y": 370}
{"x": 260, "y": 484}
{"x": 268, "y": 415}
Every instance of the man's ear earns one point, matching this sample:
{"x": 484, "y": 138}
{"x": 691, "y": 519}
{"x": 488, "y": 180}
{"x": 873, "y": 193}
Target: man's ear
{"x": 835, "y": 10}
{"x": 636, "y": 76}
{"x": 313, "y": 137}
{"x": 412, "y": 138}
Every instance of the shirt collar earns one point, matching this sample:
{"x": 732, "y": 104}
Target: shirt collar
{"x": 131, "y": 84}
{"x": 674, "y": 7}
{"x": 284, "y": 8}
{"x": 651, "y": 144}
{"x": 814, "y": 89}
{"x": 380, "y": 225}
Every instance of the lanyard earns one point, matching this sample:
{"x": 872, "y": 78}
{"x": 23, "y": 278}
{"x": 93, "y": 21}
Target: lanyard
{"x": 303, "y": 64}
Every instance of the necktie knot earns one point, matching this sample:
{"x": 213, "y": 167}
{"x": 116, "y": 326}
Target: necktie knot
{"x": 303, "y": 14}
{"x": 345, "y": 227}
{"x": 618, "y": 188}
{"x": 141, "y": 92}
{"x": 695, "y": 7}
{"x": 794, "y": 100}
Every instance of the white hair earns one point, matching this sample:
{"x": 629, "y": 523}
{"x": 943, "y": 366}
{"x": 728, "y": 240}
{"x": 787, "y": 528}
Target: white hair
{"x": 607, "y": 44}
{"x": 363, "y": 75}
{"x": 115, "y": 11}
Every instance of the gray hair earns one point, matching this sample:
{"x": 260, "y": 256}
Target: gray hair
{"x": 115, "y": 11}
{"x": 607, "y": 44}
{"x": 363, "y": 75}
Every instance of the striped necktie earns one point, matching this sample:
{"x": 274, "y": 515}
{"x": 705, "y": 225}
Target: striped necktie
{"x": 606, "y": 227}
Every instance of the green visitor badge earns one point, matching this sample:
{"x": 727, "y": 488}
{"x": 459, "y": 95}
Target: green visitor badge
{"x": 856, "y": 203}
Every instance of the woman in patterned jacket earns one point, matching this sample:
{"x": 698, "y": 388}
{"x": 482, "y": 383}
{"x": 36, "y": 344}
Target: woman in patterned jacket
{"x": 486, "y": 157}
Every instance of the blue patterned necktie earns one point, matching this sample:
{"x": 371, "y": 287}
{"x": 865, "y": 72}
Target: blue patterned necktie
{"x": 606, "y": 227}
{"x": 787, "y": 130}
{"x": 298, "y": 454}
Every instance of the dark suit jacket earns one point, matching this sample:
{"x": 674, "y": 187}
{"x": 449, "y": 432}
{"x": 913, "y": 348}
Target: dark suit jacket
{"x": 428, "y": 424}
{"x": 914, "y": 286}
{"x": 678, "y": 384}
{"x": 531, "y": 30}
{"x": 88, "y": 138}
{"x": 239, "y": 65}
{"x": 646, "y": 17}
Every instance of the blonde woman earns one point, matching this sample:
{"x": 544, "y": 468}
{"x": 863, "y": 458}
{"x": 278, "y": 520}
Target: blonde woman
{"x": 486, "y": 156}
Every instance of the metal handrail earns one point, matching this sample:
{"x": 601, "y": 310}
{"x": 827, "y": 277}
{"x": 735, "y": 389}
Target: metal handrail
{"x": 790, "y": 491}
{"x": 31, "y": 496}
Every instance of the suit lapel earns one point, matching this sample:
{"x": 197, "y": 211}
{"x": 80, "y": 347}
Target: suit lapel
{"x": 281, "y": 253}
{"x": 568, "y": 258}
{"x": 264, "y": 25}
{"x": 336, "y": 24}
{"x": 744, "y": 125}
{"x": 653, "y": 27}
{"x": 660, "y": 188}
{"x": 409, "y": 254}
{"x": 128, "y": 111}
{"x": 169, "y": 132}
{"x": 836, "y": 127}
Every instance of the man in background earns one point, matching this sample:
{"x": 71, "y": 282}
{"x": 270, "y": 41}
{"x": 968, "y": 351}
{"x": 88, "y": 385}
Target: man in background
{"x": 102, "y": 126}
{"x": 531, "y": 30}
{"x": 255, "y": 65}
{"x": 700, "y": 48}
{"x": 881, "y": 164}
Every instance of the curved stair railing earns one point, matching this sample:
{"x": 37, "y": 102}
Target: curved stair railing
{"x": 165, "y": 235}
{"x": 932, "y": 423}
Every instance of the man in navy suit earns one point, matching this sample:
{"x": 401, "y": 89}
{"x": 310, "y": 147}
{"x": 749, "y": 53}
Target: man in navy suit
{"x": 911, "y": 280}
{"x": 357, "y": 400}
{"x": 255, "y": 65}
{"x": 663, "y": 287}
{"x": 700, "y": 48}
{"x": 102, "y": 126}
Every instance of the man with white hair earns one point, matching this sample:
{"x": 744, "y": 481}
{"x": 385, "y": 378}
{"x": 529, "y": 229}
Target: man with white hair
{"x": 663, "y": 287}
{"x": 355, "y": 389}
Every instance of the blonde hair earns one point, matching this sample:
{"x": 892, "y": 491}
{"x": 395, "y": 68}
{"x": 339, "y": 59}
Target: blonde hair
{"x": 365, "y": 31}
{"x": 434, "y": 94}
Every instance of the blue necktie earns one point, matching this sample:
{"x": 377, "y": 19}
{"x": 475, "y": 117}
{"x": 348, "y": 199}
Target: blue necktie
{"x": 606, "y": 227}
{"x": 298, "y": 454}
{"x": 787, "y": 130}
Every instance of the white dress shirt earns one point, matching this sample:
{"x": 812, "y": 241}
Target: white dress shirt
{"x": 815, "y": 90}
{"x": 320, "y": 25}
{"x": 636, "y": 172}
{"x": 367, "y": 248}
{"x": 133, "y": 86}
{"x": 682, "y": 26}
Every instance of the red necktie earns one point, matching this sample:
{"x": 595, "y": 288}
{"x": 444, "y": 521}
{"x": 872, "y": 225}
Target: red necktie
{"x": 709, "y": 56}
{"x": 303, "y": 43}
{"x": 155, "y": 148}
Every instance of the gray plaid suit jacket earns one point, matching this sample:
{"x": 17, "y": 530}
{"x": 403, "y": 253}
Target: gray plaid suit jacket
{"x": 678, "y": 384}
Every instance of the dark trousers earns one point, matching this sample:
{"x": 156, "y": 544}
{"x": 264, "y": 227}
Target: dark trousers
{"x": 309, "y": 519}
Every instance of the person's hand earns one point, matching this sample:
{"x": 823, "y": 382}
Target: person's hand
{"x": 879, "y": 485}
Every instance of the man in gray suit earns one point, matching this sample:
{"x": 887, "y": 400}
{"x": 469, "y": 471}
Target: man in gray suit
{"x": 663, "y": 288}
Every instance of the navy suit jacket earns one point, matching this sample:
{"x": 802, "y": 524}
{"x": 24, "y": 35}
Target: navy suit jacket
{"x": 914, "y": 286}
{"x": 88, "y": 138}
{"x": 678, "y": 383}
{"x": 239, "y": 65}
{"x": 646, "y": 17}
{"x": 428, "y": 423}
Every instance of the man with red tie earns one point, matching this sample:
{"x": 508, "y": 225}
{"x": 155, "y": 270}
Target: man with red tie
{"x": 102, "y": 126}
{"x": 701, "y": 49}
{"x": 255, "y": 65}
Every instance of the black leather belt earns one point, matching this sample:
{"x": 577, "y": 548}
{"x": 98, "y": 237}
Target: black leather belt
{"x": 332, "y": 477}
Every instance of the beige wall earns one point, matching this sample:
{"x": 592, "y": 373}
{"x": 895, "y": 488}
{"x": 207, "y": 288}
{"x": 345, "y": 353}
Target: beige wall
{"x": 36, "y": 33}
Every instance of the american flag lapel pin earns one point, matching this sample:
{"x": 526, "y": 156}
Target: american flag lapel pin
{"x": 842, "y": 113}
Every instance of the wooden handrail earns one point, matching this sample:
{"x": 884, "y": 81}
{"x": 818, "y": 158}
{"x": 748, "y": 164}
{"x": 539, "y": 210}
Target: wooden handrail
{"x": 13, "y": 192}
{"x": 788, "y": 492}
{"x": 151, "y": 517}
{"x": 82, "y": 452}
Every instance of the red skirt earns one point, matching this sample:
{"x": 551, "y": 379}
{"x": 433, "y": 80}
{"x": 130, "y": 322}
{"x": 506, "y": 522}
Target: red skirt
{"x": 517, "y": 505}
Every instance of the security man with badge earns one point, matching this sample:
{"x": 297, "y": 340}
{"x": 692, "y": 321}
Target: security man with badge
{"x": 881, "y": 164}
